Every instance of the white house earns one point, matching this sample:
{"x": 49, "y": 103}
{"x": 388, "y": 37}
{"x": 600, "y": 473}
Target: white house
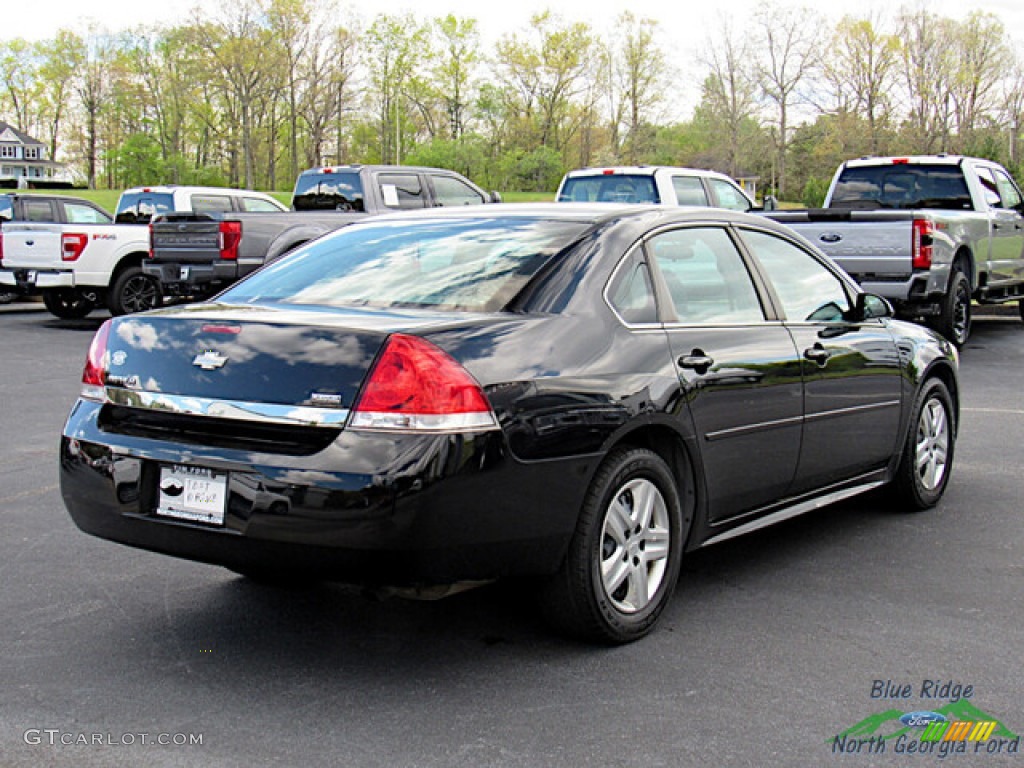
{"x": 25, "y": 162}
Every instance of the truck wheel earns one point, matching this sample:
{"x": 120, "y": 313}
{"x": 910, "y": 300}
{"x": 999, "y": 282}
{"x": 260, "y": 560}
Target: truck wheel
{"x": 133, "y": 291}
{"x": 954, "y": 321}
{"x": 68, "y": 303}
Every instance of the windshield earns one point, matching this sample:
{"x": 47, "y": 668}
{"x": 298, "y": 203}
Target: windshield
{"x": 140, "y": 207}
{"x": 612, "y": 188}
{"x": 6, "y": 208}
{"x": 468, "y": 264}
{"x": 902, "y": 186}
{"x": 328, "y": 192}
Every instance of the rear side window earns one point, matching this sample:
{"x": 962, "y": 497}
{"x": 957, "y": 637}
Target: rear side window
{"x": 610, "y": 188}
{"x": 211, "y": 204}
{"x": 402, "y": 190}
{"x": 689, "y": 190}
{"x": 476, "y": 265}
{"x": 328, "y": 192}
{"x": 705, "y": 276}
{"x": 140, "y": 207}
{"x": 939, "y": 187}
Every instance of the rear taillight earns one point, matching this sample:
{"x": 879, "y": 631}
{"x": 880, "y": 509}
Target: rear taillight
{"x": 921, "y": 243}
{"x": 151, "y": 240}
{"x": 416, "y": 387}
{"x": 72, "y": 244}
{"x": 1, "y": 249}
{"x": 94, "y": 375}
{"x": 230, "y": 237}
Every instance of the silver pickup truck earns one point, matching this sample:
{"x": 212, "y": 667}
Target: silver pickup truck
{"x": 929, "y": 233}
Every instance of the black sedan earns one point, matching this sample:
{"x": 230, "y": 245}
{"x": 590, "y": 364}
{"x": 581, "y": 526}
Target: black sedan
{"x": 575, "y": 394}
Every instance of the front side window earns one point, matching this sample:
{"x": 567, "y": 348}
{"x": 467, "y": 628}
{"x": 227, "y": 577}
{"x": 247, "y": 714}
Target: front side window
{"x": 1008, "y": 192}
{"x": 402, "y": 190}
{"x": 705, "y": 276}
{"x": 729, "y": 196}
{"x": 77, "y": 213}
{"x": 462, "y": 264}
{"x": 689, "y": 190}
{"x": 259, "y": 205}
{"x": 450, "y": 192}
{"x": 808, "y": 290}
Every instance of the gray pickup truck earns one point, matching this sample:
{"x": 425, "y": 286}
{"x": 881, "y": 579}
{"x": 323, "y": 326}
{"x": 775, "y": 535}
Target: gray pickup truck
{"x": 929, "y": 233}
{"x": 198, "y": 255}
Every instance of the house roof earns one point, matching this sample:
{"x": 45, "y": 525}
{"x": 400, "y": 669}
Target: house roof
{"x": 10, "y": 134}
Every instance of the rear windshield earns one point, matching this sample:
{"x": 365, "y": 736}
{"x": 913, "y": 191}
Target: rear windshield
{"x": 140, "y": 207}
{"x": 617, "y": 188}
{"x": 6, "y": 208}
{"x": 467, "y": 264}
{"x": 902, "y": 186}
{"x": 328, "y": 192}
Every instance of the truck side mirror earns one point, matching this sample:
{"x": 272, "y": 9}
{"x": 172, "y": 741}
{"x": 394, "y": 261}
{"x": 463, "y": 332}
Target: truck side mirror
{"x": 770, "y": 203}
{"x": 495, "y": 197}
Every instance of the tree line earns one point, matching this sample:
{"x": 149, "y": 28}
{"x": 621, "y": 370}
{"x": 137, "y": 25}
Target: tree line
{"x": 251, "y": 93}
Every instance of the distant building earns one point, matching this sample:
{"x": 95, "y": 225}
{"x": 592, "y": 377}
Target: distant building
{"x": 25, "y": 162}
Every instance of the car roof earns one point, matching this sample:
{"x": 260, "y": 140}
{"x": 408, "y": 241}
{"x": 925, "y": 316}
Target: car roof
{"x": 640, "y": 170}
{"x": 171, "y": 188}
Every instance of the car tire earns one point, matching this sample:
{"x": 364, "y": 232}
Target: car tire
{"x": 927, "y": 458}
{"x": 954, "y": 320}
{"x": 133, "y": 291}
{"x": 68, "y": 303}
{"x": 623, "y": 560}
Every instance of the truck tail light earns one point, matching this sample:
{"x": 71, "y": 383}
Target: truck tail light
{"x": 1, "y": 248}
{"x": 94, "y": 375}
{"x": 151, "y": 240}
{"x": 416, "y": 387}
{"x": 72, "y": 244}
{"x": 229, "y": 238}
{"x": 922, "y": 243}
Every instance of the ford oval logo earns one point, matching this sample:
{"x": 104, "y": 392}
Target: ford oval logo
{"x": 922, "y": 719}
{"x": 831, "y": 237}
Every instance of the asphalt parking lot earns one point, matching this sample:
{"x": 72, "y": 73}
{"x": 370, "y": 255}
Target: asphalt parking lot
{"x": 775, "y": 644}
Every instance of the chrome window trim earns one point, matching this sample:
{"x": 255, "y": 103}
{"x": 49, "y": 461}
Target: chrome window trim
{"x": 237, "y": 410}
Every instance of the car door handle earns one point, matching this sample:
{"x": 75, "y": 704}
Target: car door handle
{"x": 817, "y": 354}
{"x": 696, "y": 361}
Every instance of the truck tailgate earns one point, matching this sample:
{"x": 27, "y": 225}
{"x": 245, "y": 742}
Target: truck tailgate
{"x": 185, "y": 239}
{"x": 869, "y": 245}
{"x": 32, "y": 246}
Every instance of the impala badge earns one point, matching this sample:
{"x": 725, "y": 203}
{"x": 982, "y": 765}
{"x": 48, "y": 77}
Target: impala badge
{"x": 210, "y": 360}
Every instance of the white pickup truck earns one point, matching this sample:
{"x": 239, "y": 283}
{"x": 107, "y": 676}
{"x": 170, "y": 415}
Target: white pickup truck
{"x": 78, "y": 266}
{"x": 930, "y": 233}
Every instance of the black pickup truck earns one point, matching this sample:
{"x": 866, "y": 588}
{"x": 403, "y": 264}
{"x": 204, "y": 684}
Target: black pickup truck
{"x": 47, "y": 209}
{"x": 200, "y": 254}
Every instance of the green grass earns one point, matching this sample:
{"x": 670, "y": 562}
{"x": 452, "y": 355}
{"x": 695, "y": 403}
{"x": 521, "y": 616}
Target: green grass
{"x": 528, "y": 197}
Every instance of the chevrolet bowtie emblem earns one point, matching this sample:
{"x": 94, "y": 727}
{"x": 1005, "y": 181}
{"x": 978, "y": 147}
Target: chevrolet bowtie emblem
{"x": 210, "y": 360}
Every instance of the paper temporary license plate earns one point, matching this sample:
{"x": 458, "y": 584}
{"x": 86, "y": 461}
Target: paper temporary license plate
{"x": 30, "y": 277}
{"x": 192, "y": 493}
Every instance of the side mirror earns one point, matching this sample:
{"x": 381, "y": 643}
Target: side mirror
{"x": 495, "y": 197}
{"x": 871, "y": 307}
{"x": 771, "y": 203}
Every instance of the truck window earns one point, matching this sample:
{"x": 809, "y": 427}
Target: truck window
{"x": 328, "y": 192}
{"x": 1008, "y": 192}
{"x": 77, "y": 213}
{"x": 402, "y": 190}
{"x": 609, "y": 188}
{"x": 38, "y": 210}
{"x": 140, "y": 207}
{"x": 729, "y": 197}
{"x": 211, "y": 204}
{"x": 449, "y": 191}
{"x": 902, "y": 186}
{"x": 6, "y": 208}
{"x": 258, "y": 205}
{"x": 689, "y": 190}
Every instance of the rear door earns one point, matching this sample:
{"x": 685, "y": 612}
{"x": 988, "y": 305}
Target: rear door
{"x": 1006, "y": 262}
{"x": 739, "y": 373}
{"x": 851, "y": 371}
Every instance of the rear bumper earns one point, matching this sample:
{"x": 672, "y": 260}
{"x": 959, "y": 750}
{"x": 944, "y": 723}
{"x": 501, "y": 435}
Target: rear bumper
{"x": 369, "y": 509}
{"x": 186, "y": 279}
{"x": 29, "y": 280}
{"x": 919, "y": 294}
